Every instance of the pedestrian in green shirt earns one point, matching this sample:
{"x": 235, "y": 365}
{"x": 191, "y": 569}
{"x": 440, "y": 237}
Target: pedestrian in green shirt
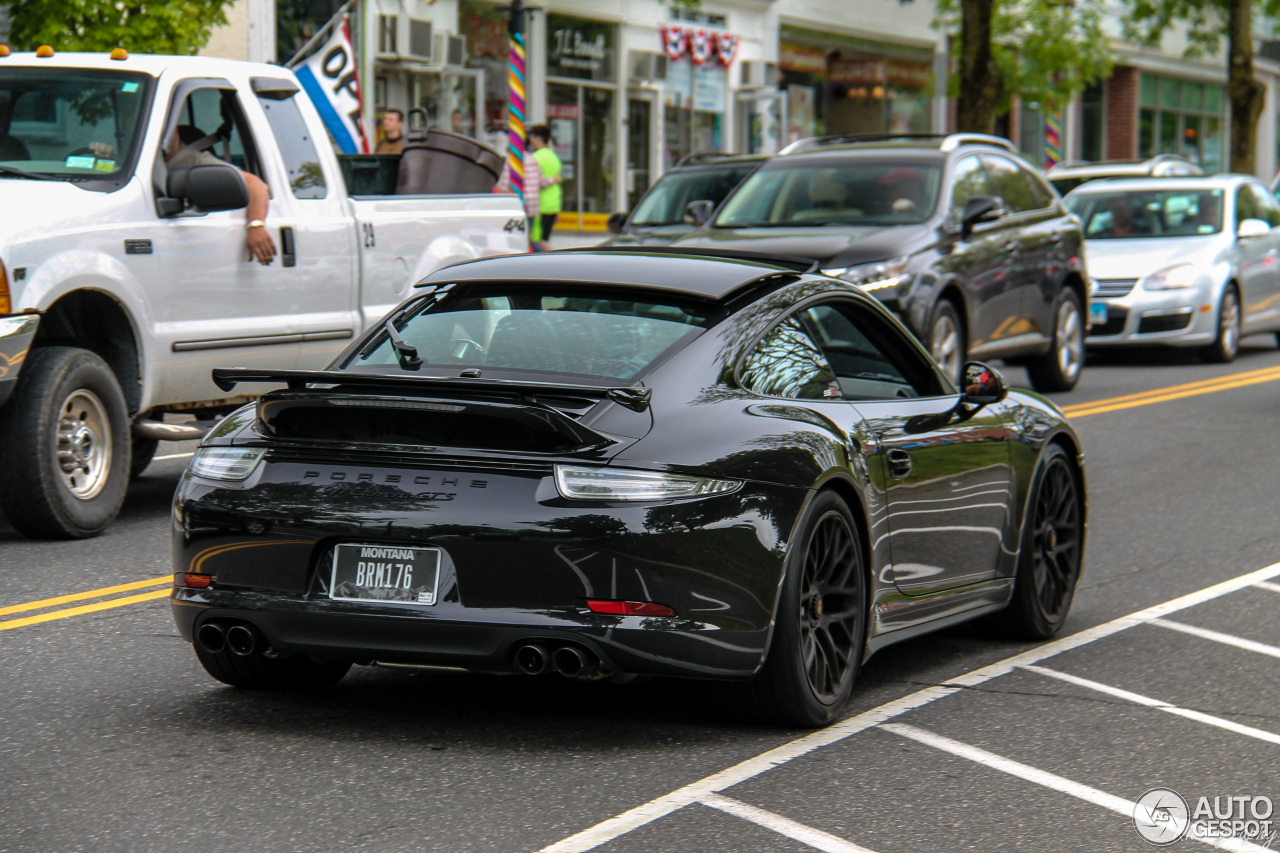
{"x": 551, "y": 197}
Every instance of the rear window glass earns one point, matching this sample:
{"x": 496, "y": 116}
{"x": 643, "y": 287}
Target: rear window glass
{"x": 615, "y": 335}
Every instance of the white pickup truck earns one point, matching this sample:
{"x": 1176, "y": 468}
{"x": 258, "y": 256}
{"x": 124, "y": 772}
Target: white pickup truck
{"x": 123, "y": 282}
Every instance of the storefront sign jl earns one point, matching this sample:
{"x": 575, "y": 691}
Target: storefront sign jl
{"x": 700, "y": 44}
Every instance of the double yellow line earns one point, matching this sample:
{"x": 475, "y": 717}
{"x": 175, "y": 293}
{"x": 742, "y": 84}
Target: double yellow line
{"x": 1173, "y": 392}
{"x": 65, "y": 612}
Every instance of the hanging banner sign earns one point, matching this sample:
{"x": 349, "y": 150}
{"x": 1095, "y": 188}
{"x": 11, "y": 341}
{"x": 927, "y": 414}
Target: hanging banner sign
{"x": 701, "y": 44}
{"x": 329, "y": 78}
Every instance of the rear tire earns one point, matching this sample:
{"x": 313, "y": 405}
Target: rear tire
{"x": 946, "y": 339}
{"x": 819, "y": 634}
{"x": 1227, "y": 344}
{"x": 1051, "y": 555}
{"x": 144, "y": 450}
{"x": 64, "y": 446}
{"x": 1059, "y": 369}
{"x": 257, "y": 672}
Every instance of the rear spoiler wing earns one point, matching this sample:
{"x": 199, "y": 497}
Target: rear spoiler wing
{"x": 635, "y": 398}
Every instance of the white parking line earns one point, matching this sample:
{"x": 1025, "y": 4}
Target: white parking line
{"x": 1139, "y": 699}
{"x": 815, "y": 838}
{"x": 173, "y": 456}
{"x": 1274, "y": 587}
{"x": 1048, "y": 780}
{"x": 607, "y": 830}
{"x": 1219, "y": 637}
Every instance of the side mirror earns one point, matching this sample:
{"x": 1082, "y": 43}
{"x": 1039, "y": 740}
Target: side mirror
{"x": 209, "y": 187}
{"x": 698, "y": 212}
{"x": 980, "y": 208}
{"x": 616, "y": 222}
{"x": 1253, "y": 228}
{"x": 982, "y": 385}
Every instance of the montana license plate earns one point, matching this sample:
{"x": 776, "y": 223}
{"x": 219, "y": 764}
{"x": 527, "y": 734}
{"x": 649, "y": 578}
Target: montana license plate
{"x": 386, "y": 573}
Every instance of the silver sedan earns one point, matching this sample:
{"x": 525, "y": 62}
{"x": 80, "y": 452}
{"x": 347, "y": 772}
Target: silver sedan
{"x": 1181, "y": 261}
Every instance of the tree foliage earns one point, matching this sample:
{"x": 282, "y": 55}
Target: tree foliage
{"x": 153, "y": 26}
{"x": 1207, "y": 22}
{"x": 1041, "y": 51}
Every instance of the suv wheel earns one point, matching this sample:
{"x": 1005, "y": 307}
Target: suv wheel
{"x": 1059, "y": 368}
{"x": 946, "y": 339}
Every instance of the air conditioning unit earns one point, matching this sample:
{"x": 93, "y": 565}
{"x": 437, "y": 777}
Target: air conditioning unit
{"x": 403, "y": 37}
{"x": 648, "y": 67}
{"x": 450, "y": 50}
{"x": 759, "y": 74}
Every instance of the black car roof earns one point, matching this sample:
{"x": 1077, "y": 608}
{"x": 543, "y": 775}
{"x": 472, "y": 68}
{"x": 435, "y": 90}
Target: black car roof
{"x": 690, "y": 274}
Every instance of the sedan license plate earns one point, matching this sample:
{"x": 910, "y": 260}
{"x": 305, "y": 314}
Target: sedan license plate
{"x": 385, "y": 573}
{"x": 1097, "y": 313}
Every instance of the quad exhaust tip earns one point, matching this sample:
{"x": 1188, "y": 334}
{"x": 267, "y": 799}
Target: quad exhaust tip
{"x": 533, "y": 659}
{"x": 211, "y": 637}
{"x": 242, "y": 640}
{"x": 569, "y": 660}
{"x": 217, "y": 637}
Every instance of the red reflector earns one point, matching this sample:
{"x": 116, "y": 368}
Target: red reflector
{"x": 192, "y": 580}
{"x": 629, "y": 608}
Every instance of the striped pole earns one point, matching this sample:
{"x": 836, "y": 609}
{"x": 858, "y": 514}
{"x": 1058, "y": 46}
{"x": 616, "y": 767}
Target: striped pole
{"x": 515, "y": 98}
{"x": 1053, "y": 139}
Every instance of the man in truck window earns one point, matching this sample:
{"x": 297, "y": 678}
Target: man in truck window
{"x": 183, "y": 151}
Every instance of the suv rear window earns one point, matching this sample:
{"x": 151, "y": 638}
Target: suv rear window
{"x": 612, "y": 335}
{"x": 826, "y": 191}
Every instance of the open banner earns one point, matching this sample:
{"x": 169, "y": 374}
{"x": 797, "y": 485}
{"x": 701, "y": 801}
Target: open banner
{"x": 329, "y": 78}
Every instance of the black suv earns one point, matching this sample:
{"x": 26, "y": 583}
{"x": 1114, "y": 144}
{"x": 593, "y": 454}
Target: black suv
{"x": 957, "y": 234}
{"x": 683, "y": 198}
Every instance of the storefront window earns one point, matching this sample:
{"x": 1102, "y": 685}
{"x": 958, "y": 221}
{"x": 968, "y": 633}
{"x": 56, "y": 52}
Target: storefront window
{"x": 1091, "y": 123}
{"x": 581, "y": 99}
{"x": 695, "y": 104}
{"x": 1181, "y": 117}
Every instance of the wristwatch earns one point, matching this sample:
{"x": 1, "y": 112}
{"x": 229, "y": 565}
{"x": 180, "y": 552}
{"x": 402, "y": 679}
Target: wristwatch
{"x": 256, "y": 223}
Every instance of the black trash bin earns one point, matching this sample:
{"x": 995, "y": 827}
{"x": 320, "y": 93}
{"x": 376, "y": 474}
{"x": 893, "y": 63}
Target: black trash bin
{"x": 441, "y": 162}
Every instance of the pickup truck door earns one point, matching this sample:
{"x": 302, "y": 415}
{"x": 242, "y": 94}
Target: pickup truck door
{"x": 213, "y": 306}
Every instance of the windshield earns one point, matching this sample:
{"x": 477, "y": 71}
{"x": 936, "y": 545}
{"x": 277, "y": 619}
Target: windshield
{"x": 665, "y": 203}
{"x": 69, "y": 123}
{"x": 853, "y": 192}
{"x": 611, "y": 335}
{"x": 1147, "y": 214}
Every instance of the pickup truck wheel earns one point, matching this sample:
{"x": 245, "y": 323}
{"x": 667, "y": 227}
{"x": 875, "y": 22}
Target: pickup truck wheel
{"x": 64, "y": 446}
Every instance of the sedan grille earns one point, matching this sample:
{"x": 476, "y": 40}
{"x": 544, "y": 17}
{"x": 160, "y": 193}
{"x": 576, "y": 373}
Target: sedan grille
{"x": 1113, "y": 287}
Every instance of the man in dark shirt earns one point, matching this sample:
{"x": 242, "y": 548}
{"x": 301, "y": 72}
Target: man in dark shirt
{"x": 392, "y": 141}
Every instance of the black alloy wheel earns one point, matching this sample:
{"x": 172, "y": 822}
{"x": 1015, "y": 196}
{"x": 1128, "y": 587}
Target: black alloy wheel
{"x": 819, "y": 637}
{"x": 1051, "y": 556}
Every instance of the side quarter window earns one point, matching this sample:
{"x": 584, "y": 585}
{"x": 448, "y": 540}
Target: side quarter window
{"x": 787, "y": 362}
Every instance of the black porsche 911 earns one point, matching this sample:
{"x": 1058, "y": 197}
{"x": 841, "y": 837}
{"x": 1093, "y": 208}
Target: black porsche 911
{"x": 606, "y": 463}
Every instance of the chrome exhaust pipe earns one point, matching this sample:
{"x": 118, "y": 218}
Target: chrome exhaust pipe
{"x": 211, "y": 638}
{"x": 242, "y": 640}
{"x": 533, "y": 659}
{"x": 572, "y": 662}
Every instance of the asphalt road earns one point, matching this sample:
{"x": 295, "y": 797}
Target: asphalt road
{"x": 113, "y": 739}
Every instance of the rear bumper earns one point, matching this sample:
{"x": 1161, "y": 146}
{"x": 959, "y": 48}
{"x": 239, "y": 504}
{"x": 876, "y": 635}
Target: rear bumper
{"x": 16, "y": 336}
{"x": 517, "y": 563}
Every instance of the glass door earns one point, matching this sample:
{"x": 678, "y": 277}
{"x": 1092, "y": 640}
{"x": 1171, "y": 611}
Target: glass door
{"x": 639, "y": 147}
{"x": 582, "y": 134}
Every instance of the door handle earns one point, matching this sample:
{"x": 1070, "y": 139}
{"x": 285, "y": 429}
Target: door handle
{"x": 899, "y": 463}
{"x": 287, "y": 253}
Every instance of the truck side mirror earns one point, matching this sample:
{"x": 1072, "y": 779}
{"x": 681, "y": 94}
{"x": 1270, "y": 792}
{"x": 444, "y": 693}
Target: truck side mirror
{"x": 209, "y": 187}
{"x": 698, "y": 212}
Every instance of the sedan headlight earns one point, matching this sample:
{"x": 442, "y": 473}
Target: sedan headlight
{"x": 1172, "y": 278}
{"x": 226, "y": 463}
{"x": 877, "y": 276}
{"x": 606, "y": 484}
